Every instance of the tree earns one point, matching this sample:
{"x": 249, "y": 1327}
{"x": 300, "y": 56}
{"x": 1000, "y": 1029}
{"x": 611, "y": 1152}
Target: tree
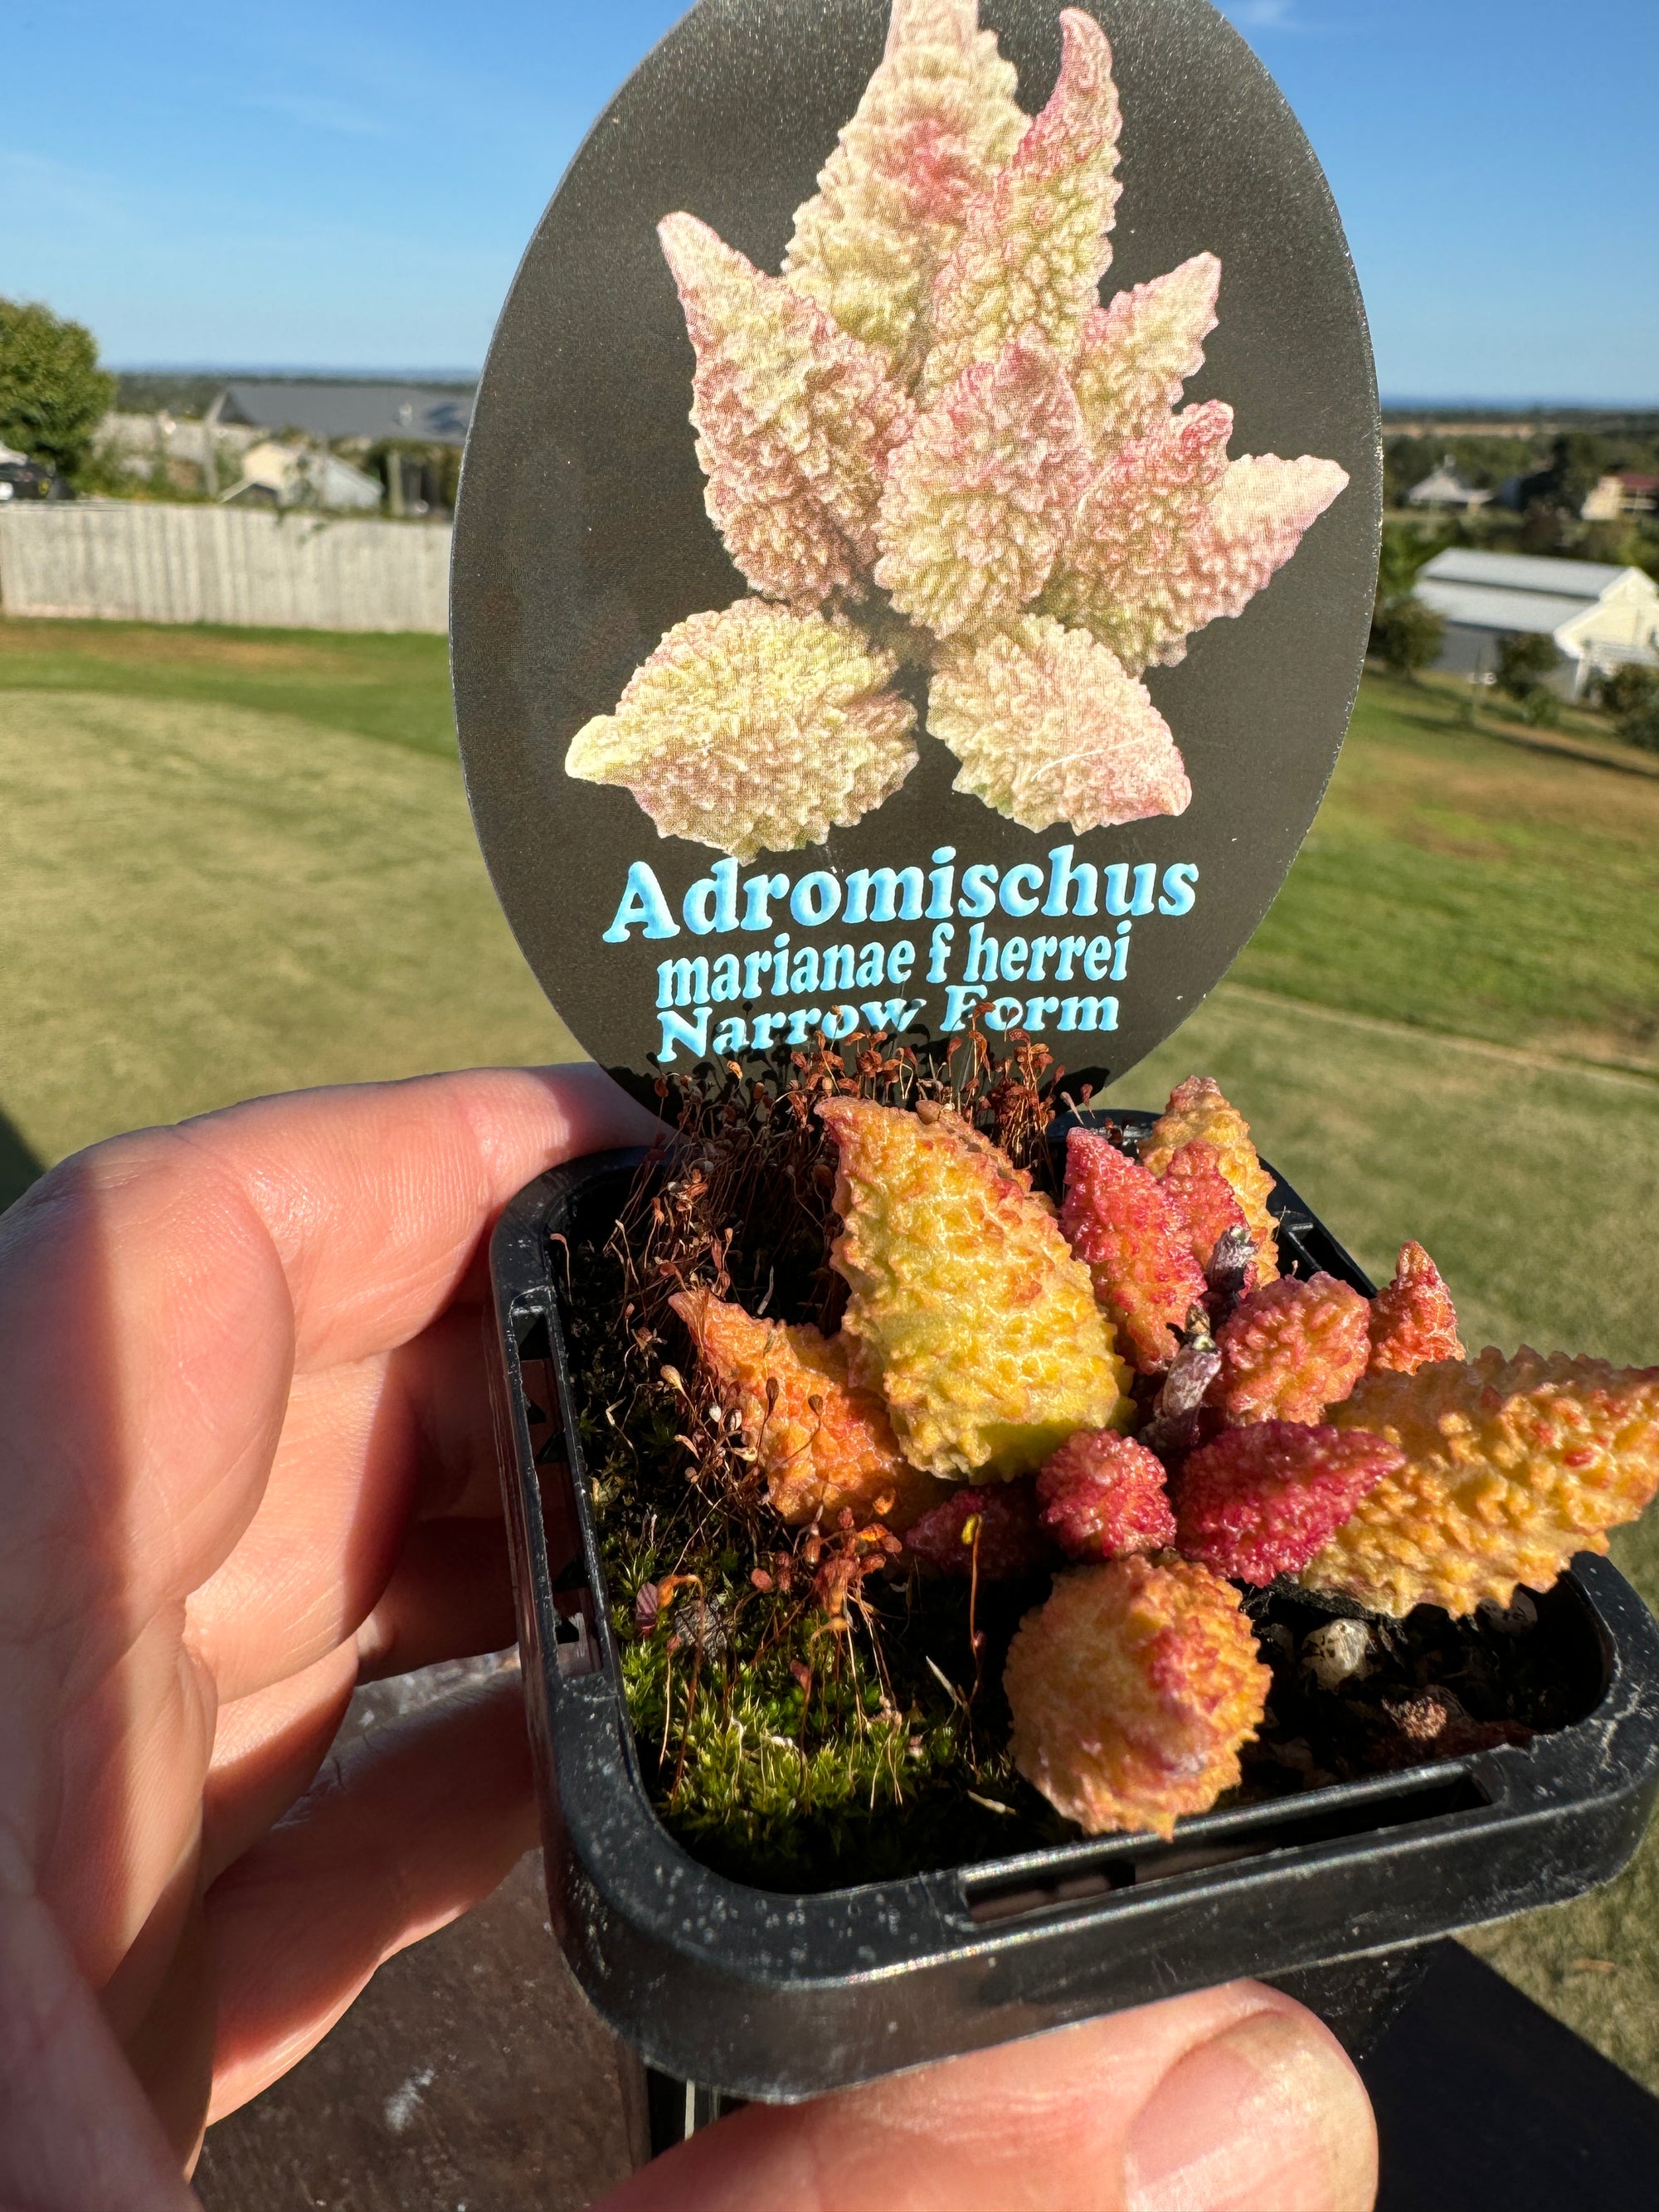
{"x": 1408, "y": 635}
{"x": 1523, "y": 662}
{"x": 52, "y": 392}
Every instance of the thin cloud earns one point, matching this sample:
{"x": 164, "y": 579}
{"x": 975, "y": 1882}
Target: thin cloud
{"x": 1263, "y": 15}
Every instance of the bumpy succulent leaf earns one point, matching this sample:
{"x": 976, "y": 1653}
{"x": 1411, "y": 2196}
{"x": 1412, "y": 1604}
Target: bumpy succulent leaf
{"x": 796, "y": 419}
{"x": 994, "y": 1532}
{"x": 1291, "y": 1349}
{"x": 1048, "y": 728}
{"x": 1261, "y": 1501}
{"x": 1207, "y": 1202}
{"x": 1103, "y": 1494}
{"x": 1118, "y": 1220}
{"x": 937, "y": 122}
{"x": 1510, "y": 1466}
{"x": 754, "y": 728}
{"x": 1132, "y": 1690}
{"x": 1126, "y": 574}
{"x": 1413, "y": 1321}
{"x": 822, "y": 1444}
{"x": 1197, "y": 1111}
{"x": 967, "y": 1311}
{"x": 1138, "y": 351}
{"x": 981, "y": 495}
{"x": 1035, "y": 244}
{"x": 1173, "y": 536}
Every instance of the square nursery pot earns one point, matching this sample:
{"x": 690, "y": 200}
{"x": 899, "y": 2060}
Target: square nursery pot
{"x": 752, "y": 1993}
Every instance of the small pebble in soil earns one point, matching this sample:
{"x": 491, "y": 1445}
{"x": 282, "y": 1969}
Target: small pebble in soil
{"x": 1337, "y": 1653}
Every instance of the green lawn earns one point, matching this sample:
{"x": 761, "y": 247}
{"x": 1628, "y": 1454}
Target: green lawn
{"x": 217, "y": 878}
{"x": 395, "y": 687}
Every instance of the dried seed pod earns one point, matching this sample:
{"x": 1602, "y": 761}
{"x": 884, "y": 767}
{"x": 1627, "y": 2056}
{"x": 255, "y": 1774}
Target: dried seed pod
{"x": 1102, "y": 1494}
{"x": 1414, "y": 1321}
{"x": 966, "y": 1310}
{"x": 1132, "y": 1690}
{"x": 998, "y": 1523}
{"x": 1510, "y": 1466}
{"x": 1118, "y": 1218}
{"x": 1261, "y": 1501}
{"x": 1197, "y": 1110}
{"x": 1291, "y": 1350}
{"x": 822, "y": 1444}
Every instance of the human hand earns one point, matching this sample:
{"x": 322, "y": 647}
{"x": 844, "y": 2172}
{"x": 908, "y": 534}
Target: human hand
{"x": 246, "y": 1459}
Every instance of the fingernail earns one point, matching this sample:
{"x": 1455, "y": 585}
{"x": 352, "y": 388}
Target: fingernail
{"x": 1268, "y": 2117}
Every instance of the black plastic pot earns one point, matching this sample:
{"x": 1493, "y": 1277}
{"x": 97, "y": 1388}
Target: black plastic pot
{"x": 757, "y": 1994}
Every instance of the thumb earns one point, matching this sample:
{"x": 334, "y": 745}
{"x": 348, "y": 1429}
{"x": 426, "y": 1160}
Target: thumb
{"x": 1234, "y": 2100}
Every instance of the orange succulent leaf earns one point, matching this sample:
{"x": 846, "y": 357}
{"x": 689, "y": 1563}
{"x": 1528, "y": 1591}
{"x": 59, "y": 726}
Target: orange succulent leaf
{"x": 754, "y": 728}
{"x": 1197, "y": 1109}
{"x": 936, "y": 124}
{"x": 1413, "y": 1321}
{"x": 1119, "y": 1221}
{"x": 1048, "y": 728}
{"x": 1035, "y": 242}
{"x": 796, "y": 421}
{"x": 1133, "y": 1690}
{"x": 1137, "y": 352}
{"x": 822, "y": 1444}
{"x": 966, "y": 1309}
{"x": 1291, "y": 1349}
{"x": 1510, "y": 1466}
{"x": 981, "y": 495}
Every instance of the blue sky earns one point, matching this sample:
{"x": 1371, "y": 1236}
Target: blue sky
{"x": 348, "y": 183}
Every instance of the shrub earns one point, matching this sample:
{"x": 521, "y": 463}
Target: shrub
{"x": 1522, "y": 664}
{"x": 1408, "y": 636}
{"x": 52, "y": 392}
{"x": 1627, "y": 691}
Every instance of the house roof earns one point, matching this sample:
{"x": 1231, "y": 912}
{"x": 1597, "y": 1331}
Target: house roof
{"x": 1445, "y": 484}
{"x": 1581, "y": 581}
{"x": 329, "y": 411}
{"x": 1477, "y": 606}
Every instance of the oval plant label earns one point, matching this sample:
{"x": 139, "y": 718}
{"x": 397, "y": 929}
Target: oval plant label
{"x": 918, "y": 532}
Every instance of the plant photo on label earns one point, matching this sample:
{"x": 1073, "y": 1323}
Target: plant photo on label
{"x": 933, "y": 453}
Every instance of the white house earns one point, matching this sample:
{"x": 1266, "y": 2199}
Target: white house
{"x": 1443, "y": 486}
{"x": 1599, "y": 617}
{"x": 277, "y": 474}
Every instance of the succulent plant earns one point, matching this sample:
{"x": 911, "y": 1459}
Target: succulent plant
{"x": 822, "y": 1444}
{"x": 1138, "y": 1246}
{"x": 1261, "y": 1501}
{"x": 1197, "y": 1111}
{"x": 966, "y": 1310}
{"x": 1291, "y": 1349}
{"x": 927, "y": 441}
{"x": 1414, "y": 1321}
{"x": 1510, "y": 1467}
{"x": 1132, "y": 1688}
{"x": 1103, "y": 1494}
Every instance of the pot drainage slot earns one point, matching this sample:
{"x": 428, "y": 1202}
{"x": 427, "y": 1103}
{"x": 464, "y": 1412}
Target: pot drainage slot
{"x": 993, "y": 1900}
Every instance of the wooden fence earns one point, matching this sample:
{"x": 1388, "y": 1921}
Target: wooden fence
{"x": 132, "y": 561}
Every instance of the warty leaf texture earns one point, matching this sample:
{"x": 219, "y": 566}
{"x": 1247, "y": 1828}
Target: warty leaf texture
{"x": 1102, "y": 1494}
{"x": 1049, "y": 728}
{"x": 1118, "y": 1220}
{"x": 754, "y": 728}
{"x": 966, "y": 1310}
{"x": 1197, "y": 1109}
{"x": 1291, "y": 1349}
{"x": 1413, "y": 1321}
{"x": 1261, "y": 1501}
{"x": 1035, "y": 242}
{"x": 1138, "y": 351}
{"x": 1510, "y": 1466}
{"x": 937, "y": 123}
{"x": 981, "y": 495}
{"x": 1133, "y": 1690}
